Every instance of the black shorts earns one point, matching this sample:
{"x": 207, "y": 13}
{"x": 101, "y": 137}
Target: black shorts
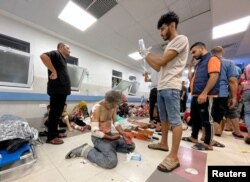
{"x": 220, "y": 109}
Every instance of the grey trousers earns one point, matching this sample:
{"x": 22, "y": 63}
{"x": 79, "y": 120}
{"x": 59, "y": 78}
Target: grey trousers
{"x": 104, "y": 152}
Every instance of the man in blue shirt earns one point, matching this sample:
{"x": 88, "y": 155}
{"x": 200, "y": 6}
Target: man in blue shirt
{"x": 224, "y": 105}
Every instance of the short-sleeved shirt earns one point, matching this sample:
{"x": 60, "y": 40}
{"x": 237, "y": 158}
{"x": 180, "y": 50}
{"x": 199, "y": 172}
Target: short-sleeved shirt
{"x": 170, "y": 75}
{"x": 61, "y": 85}
{"x": 247, "y": 77}
{"x": 214, "y": 65}
{"x": 228, "y": 70}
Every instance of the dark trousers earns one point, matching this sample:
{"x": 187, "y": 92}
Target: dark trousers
{"x": 183, "y": 105}
{"x": 200, "y": 118}
{"x": 152, "y": 102}
{"x": 57, "y": 102}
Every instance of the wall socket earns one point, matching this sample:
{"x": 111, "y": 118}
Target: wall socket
{"x": 42, "y": 105}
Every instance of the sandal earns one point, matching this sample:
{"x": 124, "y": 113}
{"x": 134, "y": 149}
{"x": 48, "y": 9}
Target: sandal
{"x": 151, "y": 124}
{"x": 188, "y": 139}
{"x": 157, "y": 146}
{"x": 62, "y": 135}
{"x": 217, "y": 144}
{"x": 55, "y": 141}
{"x": 238, "y": 136}
{"x": 201, "y": 146}
{"x": 157, "y": 130}
{"x": 168, "y": 165}
{"x": 217, "y": 134}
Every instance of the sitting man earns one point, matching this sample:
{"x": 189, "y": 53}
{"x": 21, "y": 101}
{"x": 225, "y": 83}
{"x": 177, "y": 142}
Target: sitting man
{"x": 123, "y": 109}
{"x": 105, "y": 143}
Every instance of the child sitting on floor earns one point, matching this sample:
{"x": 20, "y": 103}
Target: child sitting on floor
{"x": 79, "y": 113}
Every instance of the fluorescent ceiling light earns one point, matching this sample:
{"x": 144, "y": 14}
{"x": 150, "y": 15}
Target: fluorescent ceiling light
{"x": 76, "y": 16}
{"x": 135, "y": 56}
{"x": 231, "y": 28}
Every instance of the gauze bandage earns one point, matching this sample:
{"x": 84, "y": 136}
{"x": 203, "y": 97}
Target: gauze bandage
{"x": 95, "y": 130}
{"x": 117, "y": 124}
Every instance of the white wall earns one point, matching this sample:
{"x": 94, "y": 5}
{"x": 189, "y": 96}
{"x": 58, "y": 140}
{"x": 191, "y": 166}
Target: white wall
{"x": 99, "y": 67}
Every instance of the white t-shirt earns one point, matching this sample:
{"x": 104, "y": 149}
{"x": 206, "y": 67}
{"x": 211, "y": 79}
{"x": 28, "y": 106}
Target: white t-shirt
{"x": 170, "y": 75}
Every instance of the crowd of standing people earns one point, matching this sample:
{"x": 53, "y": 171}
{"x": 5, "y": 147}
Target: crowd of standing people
{"x": 213, "y": 86}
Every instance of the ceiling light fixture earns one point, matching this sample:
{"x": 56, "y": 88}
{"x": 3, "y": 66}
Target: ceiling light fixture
{"x": 135, "y": 55}
{"x": 230, "y": 28}
{"x": 76, "y": 16}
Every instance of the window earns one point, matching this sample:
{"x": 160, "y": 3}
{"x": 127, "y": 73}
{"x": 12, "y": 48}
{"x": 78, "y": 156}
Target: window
{"x": 14, "y": 43}
{"x": 133, "y": 88}
{"x": 76, "y": 74}
{"x": 16, "y": 68}
{"x": 72, "y": 60}
{"x": 116, "y": 78}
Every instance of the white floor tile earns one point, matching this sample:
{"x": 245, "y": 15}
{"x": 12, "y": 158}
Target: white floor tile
{"x": 52, "y": 166}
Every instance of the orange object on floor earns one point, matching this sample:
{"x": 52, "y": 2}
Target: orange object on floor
{"x": 142, "y": 134}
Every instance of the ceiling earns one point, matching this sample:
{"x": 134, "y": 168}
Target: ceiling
{"x": 116, "y": 33}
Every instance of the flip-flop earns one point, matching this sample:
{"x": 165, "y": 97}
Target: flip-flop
{"x": 187, "y": 139}
{"x": 217, "y": 144}
{"x": 238, "y": 136}
{"x": 157, "y": 146}
{"x": 201, "y": 146}
{"x": 218, "y": 135}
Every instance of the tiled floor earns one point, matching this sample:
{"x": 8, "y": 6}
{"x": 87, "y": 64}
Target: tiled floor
{"x": 52, "y": 167}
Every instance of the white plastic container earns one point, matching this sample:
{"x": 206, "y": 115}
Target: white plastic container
{"x": 141, "y": 44}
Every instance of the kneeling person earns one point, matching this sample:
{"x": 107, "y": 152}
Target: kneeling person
{"x": 105, "y": 143}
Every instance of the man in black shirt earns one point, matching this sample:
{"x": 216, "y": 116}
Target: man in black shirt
{"x": 58, "y": 88}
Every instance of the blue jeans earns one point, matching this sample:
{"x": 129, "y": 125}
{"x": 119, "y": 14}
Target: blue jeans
{"x": 104, "y": 151}
{"x": 168, "y": 101}
{"x": 246, "y": 96}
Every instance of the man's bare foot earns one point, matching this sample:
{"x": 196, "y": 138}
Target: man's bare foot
{"x": 189, "y": 139}
{"x": 158, "y": 127}
{"x": 70, "y": 129}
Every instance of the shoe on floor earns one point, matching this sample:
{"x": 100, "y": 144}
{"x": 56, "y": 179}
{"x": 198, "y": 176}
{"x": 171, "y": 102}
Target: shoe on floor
{"x": 201, "y": 146}
{"x": 55, "y": 141}
{"x": 217, "y": 144}
{"x": 168, "y": 165}
{"x": 236, "y": 135}
{"x": 76, "y": 152}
